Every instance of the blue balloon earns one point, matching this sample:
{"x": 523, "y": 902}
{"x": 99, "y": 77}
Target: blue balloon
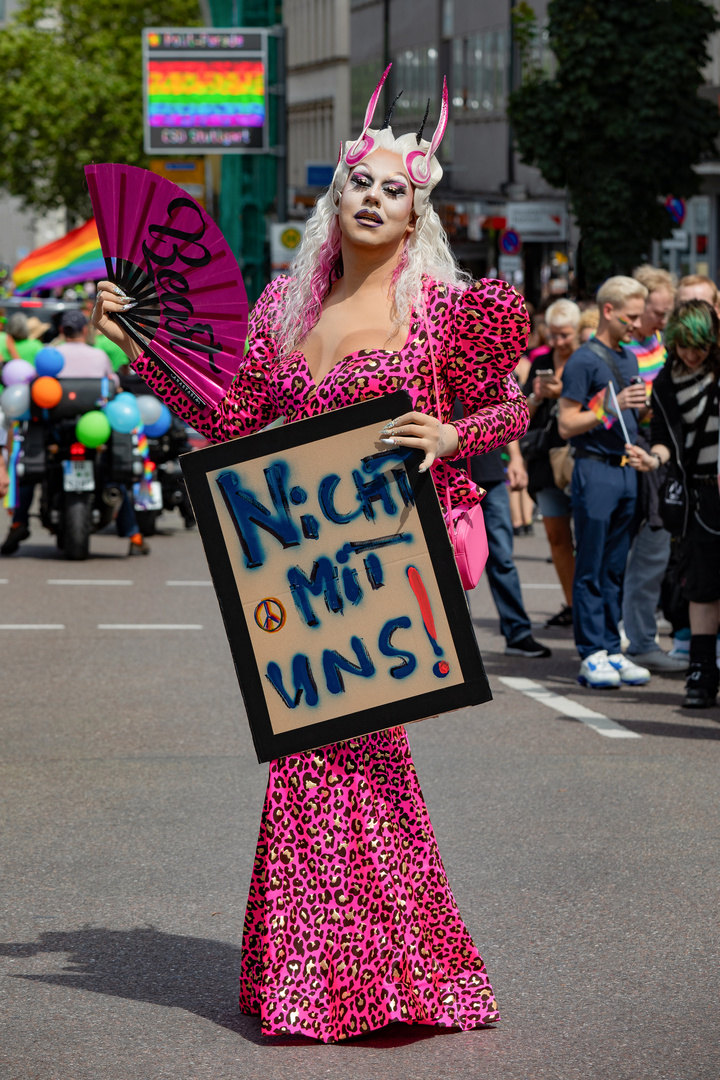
{"x": 49, "y": 362}
{"x": 123, "y": 413}
{"x": 161, "y": 425}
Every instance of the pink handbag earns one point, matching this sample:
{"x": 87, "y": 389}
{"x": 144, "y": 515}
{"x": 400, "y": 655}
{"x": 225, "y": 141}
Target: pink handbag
{"x": 466, "y": 525}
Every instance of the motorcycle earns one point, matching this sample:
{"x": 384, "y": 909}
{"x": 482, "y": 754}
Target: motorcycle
{"x": 81, "y": 488}
{"x": 164, "y": 486}
{"x": 164, "y": 452}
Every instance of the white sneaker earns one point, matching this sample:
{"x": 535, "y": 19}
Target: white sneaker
{"x": 630, "y": 674}
{"x": 681, "y": 646}
{"x": 598, "y": 673}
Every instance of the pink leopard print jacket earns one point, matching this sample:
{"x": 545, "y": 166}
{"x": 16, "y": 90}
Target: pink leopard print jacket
{"x": 478, "y": 337}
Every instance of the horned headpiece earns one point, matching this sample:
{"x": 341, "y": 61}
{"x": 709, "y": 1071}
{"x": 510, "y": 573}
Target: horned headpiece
{"x": 418, "y": 154}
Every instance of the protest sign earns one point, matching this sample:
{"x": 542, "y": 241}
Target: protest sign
{"x": 336, "y": 579}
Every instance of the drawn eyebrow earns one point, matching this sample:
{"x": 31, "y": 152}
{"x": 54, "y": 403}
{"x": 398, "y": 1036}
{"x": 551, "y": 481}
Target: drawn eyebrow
{"x": 394, "y": 178}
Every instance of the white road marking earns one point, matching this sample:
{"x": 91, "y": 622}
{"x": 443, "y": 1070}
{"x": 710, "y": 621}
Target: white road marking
{"x": 87, "y": 581}
{"x": 602, "y": 724}
{"x": 4, "y": 581}
{"x": 32, "y": 626}
{"x": 149, "y": 626}
{"x": 188, "y": 582}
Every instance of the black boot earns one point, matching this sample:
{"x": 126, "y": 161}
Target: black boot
{"x": 701, "y": 685}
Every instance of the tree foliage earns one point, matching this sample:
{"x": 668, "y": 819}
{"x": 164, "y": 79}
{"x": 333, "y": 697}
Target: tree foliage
{"x": 72, "y": 93}
{"x": 619, "y": 124}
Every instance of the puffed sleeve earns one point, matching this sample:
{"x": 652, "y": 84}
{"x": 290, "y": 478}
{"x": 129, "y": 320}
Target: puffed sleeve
{"x": 487, "y": 333}
{"x": 249, "y": 403}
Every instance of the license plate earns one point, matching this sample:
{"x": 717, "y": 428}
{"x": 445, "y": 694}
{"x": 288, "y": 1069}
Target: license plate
{"x": 78, "y": 476}
{"x": 148, "y": 496}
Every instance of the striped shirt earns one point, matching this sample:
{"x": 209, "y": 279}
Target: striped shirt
{"x": 692, "y": 391}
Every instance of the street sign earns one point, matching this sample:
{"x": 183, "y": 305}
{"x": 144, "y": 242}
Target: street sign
{"x": 509, "y": 264}
{"x": 678, "y": 242}
{"x": 187, "y": 173}
{"x": 676, "y": 208}
{"x": 285, "y": 239}
{"x": 318, "y": 174}
{"x": 510, "y": 242}
{"x": 538, "y": 219}
{"x": 205, "y": 91}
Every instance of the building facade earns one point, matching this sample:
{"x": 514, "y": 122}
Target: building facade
{"x": 318, "y": 94}
{"x": 500, "y": 215}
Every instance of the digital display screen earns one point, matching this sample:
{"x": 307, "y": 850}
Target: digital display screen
{"x": 205, "y": 91}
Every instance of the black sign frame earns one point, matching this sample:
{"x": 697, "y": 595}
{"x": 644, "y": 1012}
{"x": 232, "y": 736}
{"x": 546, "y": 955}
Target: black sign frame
{"x": 474, "y": 690}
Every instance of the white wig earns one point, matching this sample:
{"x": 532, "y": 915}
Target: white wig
{"x": 426, "y": 253}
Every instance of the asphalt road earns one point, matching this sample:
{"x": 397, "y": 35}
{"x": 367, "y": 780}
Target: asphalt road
{"x": 583, "y": 852}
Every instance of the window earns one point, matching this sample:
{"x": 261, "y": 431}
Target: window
{"x": 363, "y": 80}
{"x": 417, "y": 77}
{"x": 310, "y": 137}
{"x": 479, "y": 67}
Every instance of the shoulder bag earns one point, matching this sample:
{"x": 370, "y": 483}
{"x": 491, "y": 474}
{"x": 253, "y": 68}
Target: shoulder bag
{"x": 466, "y": 525}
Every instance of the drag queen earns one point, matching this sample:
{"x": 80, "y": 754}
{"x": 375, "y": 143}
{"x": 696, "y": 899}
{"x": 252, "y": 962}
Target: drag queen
{"x": 351, "y": 923}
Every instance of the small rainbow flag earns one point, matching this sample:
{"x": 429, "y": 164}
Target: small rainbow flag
{"x": 602, "y": 407}
{"x": 72, "y": 259}
{"x": 651, "y": 356}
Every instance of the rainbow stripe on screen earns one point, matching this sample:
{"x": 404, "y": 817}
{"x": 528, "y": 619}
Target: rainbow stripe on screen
{"x": 72, "y": 259}
{"x": 206, "y": 93}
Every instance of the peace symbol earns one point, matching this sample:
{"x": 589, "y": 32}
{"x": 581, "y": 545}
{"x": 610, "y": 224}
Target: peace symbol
{"x": 270, "y": 615}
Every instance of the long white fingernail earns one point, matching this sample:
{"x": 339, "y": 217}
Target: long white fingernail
{"x": 127, "y": 307}
{"x": 389, "y": 442}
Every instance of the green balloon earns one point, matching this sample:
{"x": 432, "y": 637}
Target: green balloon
{"x": 92, "y": 429}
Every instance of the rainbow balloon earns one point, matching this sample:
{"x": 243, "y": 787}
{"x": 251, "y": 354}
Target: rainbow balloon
{"x": 206, "y": 93}
{"x": 72, "y": 259}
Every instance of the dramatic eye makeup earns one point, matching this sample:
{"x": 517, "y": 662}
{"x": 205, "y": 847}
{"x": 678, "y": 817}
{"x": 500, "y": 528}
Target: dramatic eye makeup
{"x": 394, "y": 188}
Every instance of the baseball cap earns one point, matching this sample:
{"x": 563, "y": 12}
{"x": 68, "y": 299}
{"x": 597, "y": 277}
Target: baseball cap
{"x": 73, "y": 320}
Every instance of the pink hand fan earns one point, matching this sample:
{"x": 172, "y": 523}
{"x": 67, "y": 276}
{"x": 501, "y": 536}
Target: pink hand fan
{"x": 162, "y": 248}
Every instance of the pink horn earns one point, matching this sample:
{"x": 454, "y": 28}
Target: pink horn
{"x": 442, "y": 122}
{"x": 418, "y": 163}
{"x": 363, "y": 146}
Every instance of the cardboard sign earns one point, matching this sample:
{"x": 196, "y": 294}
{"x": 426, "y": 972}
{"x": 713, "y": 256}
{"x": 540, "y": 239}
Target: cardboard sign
{"x": 336, "y": 579}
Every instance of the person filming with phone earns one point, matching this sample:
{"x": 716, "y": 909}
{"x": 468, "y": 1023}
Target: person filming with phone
{"x": 543, "y": 388}
{"x": 598, "y": 412}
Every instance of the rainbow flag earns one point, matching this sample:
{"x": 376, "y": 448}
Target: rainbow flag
{"x": 651, "y": 356}
{"x": 72, "y": 259}
{"x": 601, "y": 405}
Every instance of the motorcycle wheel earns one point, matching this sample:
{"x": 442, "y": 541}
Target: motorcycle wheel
{"x": 147, "y": 520}
{"x": 78, "y": 525}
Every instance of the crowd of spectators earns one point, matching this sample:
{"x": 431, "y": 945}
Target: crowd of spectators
{"x": 621, "y": 461}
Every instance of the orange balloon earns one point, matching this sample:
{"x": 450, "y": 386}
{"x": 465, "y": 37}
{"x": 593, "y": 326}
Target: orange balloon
{"x": 46, "y": 392}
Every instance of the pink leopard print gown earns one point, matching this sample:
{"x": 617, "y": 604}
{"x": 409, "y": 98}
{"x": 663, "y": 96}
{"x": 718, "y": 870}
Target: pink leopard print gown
{"x": 350, "y": 922}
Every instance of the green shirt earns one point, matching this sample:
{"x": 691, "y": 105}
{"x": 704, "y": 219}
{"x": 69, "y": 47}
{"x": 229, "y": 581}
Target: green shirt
{"x": 115, "y": 354}
{"x": 26, "y": 349}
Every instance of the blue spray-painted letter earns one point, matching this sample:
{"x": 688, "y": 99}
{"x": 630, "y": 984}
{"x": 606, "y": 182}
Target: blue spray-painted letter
{"x": 249, "y": 514}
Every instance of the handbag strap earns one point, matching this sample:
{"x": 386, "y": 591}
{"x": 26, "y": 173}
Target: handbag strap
{"x": 605, "y": 355}
{"x": 428, "y": 334}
